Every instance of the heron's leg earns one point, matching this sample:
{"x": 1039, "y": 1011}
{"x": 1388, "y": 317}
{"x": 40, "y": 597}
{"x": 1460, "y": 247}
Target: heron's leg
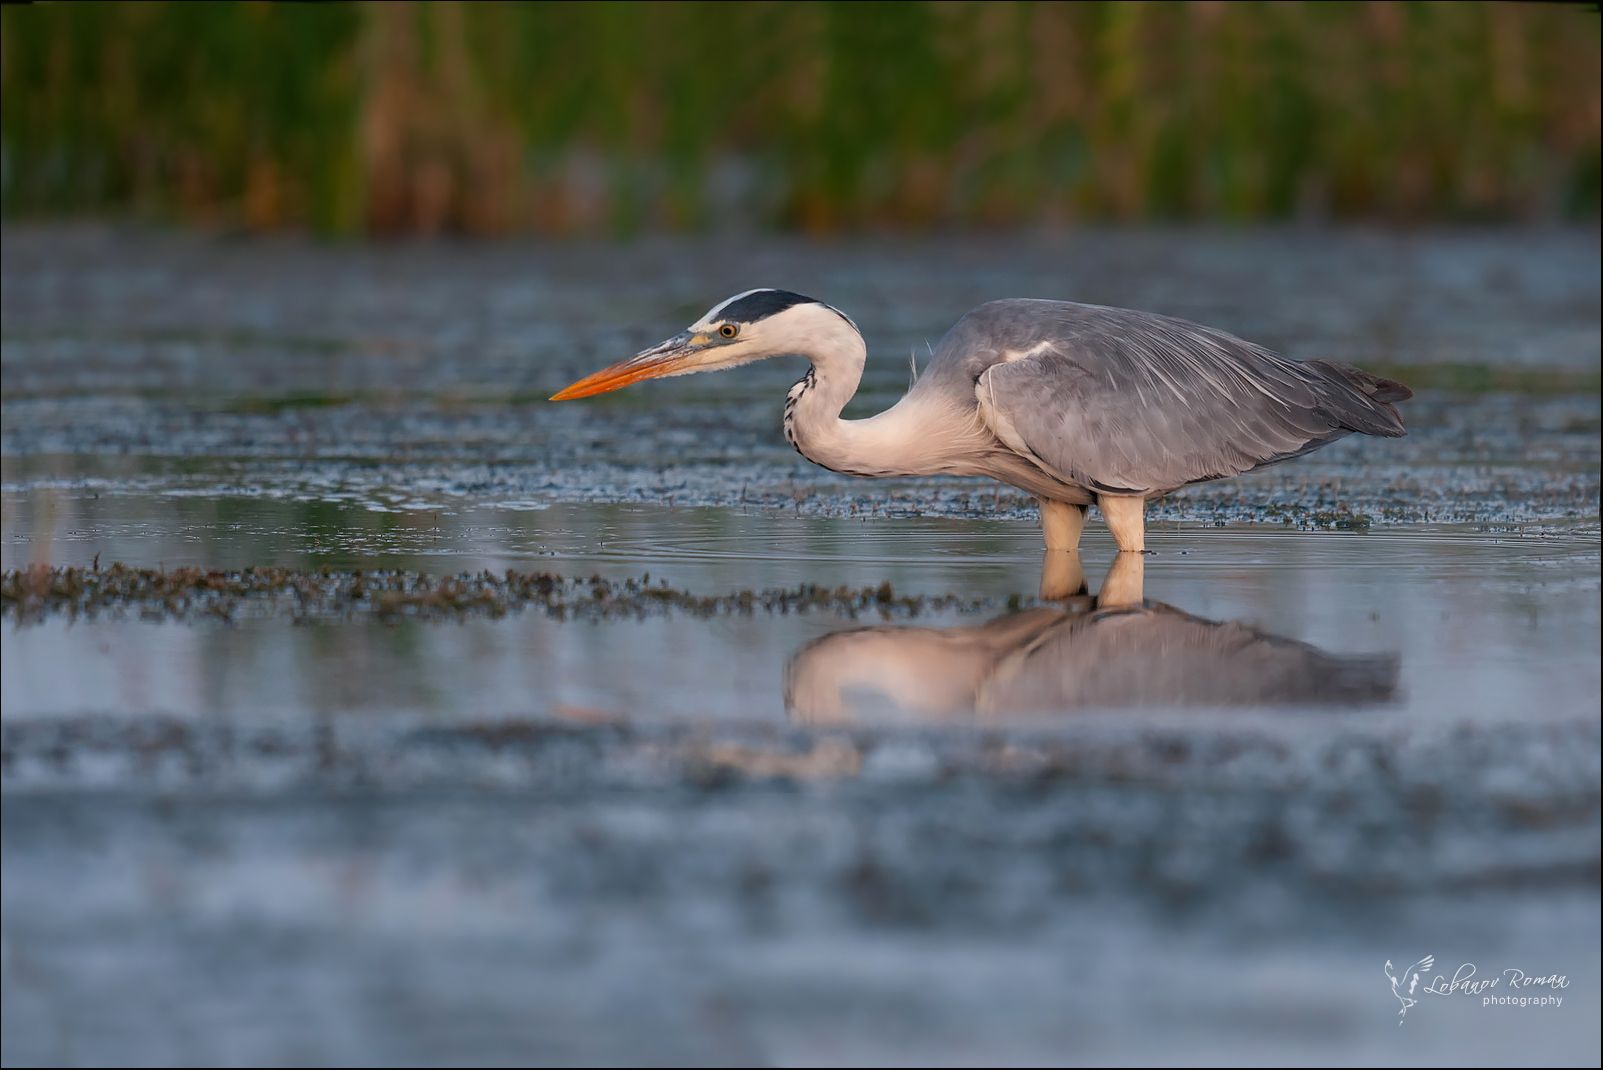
{"x": 1062, "y": 575}
{"x": 1126, "y": 517}
{"x": 1124, "y": 585}
{"x": 1062, "y": 524}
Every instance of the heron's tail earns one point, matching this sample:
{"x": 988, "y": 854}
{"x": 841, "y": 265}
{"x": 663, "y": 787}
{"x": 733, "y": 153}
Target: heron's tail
{"x": 1382, "y": 390}
{"x": 1377, "y": 417}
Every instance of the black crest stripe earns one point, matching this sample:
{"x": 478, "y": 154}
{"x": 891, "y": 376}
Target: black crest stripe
{"x": 761, "y": 305}
{"x": 765, "y": 303}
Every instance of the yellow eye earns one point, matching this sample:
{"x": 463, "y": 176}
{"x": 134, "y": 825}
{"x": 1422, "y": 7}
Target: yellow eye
{"x": 729, "y": 330}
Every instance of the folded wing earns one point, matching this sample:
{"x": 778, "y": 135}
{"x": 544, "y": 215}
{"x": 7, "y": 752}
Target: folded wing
{"x": 1131, "y": 402}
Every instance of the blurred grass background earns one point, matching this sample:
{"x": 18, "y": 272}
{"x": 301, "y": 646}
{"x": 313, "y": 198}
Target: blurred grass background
{"x": 494, "y": 118}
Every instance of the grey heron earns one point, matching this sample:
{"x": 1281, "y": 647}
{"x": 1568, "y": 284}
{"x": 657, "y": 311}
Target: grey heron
{"x": 1075, "y": 404}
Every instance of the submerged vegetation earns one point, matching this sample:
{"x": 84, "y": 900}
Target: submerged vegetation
{"x": 197, "y": 594}
{"x": 604, "y": 118}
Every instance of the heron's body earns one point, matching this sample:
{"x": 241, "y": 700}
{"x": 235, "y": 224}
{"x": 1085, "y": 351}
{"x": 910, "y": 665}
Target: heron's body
{"x": 1072, "y": 403}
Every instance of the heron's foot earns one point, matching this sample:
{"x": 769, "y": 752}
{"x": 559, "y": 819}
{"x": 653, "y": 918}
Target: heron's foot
{"x": 1126, "y": 519}
{"x": 1126, "y": 582}
{"x": 1062, "y": 575}
{"x": 1062, "y": 524}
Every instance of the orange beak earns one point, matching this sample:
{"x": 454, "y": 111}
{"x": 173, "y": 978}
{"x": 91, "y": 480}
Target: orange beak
{"x": 669, "y": 358}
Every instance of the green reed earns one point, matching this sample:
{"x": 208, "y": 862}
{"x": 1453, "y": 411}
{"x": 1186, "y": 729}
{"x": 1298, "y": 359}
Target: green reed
{"x": 562, "y": 118}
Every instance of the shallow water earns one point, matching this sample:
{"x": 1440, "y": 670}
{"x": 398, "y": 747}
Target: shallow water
{"x": 1471, "y": 624}
{"x": 1347, "y": 712}
{"x": 413, "y": 378}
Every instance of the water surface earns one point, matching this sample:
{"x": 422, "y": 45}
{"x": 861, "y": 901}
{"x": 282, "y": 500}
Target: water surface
{"x": 1347, "y": 713}
{"x": 1474, "y": 622}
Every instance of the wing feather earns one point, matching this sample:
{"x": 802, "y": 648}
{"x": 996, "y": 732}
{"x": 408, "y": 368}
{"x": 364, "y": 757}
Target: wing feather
{"x": 1124, "y": 401}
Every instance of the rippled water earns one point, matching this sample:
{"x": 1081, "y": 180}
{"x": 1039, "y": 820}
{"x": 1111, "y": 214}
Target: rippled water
{"x": 1471, "y": 624}
{"x": 1348, "y": 711}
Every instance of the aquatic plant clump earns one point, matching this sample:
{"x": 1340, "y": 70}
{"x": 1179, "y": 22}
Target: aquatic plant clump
{"x": 197, "y": 594}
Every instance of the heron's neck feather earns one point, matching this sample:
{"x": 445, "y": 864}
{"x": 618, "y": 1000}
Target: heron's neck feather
{"x": 919, "y": 435}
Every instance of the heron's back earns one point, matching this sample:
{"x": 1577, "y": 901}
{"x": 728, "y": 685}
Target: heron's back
{"x": 1126, "y": 401}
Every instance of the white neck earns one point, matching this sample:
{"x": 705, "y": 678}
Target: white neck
{"x": 917, "y": 436}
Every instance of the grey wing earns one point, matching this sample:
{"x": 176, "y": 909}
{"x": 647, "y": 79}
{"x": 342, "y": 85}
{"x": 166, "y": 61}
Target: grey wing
{"x": 1131, "y": 402}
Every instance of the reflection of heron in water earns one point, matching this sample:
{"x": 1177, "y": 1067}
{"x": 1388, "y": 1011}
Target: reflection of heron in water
{"x": 1116, "y": 650}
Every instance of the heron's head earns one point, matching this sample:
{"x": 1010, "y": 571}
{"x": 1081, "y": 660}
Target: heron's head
{"x": 747, "y": 327}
